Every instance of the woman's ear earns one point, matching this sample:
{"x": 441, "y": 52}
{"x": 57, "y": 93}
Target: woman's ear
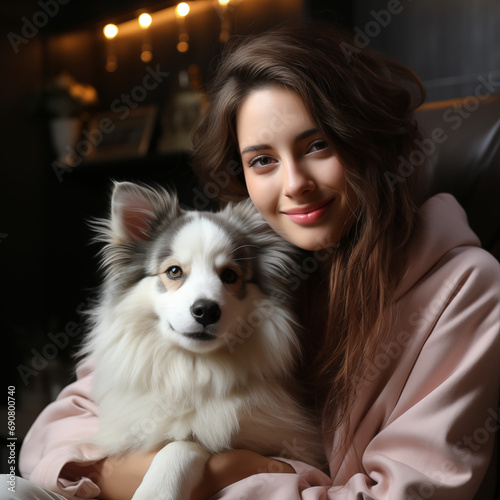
{"x": 133, "y": 212}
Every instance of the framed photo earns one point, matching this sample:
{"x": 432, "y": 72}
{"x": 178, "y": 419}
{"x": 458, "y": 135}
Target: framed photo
{"x": 122, "y": 134}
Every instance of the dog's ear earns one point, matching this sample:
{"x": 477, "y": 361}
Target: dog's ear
{"x": 276, "y": 258}
{"x": 136, "y": 210}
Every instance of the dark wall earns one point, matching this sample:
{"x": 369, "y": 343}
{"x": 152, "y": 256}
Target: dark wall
{"x": 450, "y": 44}
{"x": 23, "y": 157}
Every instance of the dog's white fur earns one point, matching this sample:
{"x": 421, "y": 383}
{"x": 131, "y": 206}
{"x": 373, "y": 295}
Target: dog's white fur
{"x": 158, "y": 383}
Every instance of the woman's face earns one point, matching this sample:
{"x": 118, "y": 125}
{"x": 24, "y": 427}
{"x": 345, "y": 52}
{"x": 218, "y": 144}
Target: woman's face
{"x": 293, "y": 177}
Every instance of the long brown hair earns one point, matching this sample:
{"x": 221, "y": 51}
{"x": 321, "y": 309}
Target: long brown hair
{"x": 364, "y": 105}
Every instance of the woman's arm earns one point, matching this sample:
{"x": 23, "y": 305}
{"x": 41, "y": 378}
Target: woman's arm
{"x": 232, "y": 466}
{"x": 119, "y": 477}
{"x": 55, "y": 439}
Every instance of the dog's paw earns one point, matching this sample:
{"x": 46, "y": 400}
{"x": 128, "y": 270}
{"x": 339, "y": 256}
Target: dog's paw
{"x": 174, "y": 472}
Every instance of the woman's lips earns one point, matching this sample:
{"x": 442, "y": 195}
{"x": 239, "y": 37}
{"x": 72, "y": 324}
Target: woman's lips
{"x": 309, "y": 213}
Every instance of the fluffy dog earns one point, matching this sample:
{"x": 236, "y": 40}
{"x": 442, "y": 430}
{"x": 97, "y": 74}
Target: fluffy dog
{"x": 194, "y": 339}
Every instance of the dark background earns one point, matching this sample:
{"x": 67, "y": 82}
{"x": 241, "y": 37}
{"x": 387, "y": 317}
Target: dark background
{"x": 48, "y": 267}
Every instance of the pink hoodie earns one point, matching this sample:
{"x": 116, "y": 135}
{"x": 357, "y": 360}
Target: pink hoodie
{"x": 424, "y": 421}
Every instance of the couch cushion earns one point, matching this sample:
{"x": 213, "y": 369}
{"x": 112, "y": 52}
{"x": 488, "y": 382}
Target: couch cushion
{"x": 465, "y": 159}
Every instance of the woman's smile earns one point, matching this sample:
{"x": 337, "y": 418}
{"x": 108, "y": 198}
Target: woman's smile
{"x": 309, "y": 214}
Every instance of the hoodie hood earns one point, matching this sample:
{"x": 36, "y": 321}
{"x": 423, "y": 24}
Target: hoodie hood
{"x": 442, "y": 226}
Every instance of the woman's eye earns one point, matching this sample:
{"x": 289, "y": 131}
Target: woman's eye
{"x": 320, "y": 145}
{"x": 261, "y": 161}
{"x": 174, "y": 272}
{"x": 229, "y": 276}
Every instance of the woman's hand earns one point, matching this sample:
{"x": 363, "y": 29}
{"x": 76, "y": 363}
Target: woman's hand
{"x": 117, "y": 477}
{"x": 231, "y": 466}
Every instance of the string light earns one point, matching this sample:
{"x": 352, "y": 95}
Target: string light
{"x": 146, "y": 50}
{"x": 146, "y": 55}
{"x": 110, "y": 31}
{"x": 182, "y": 46}
{"x": 182, "y": 10}
{"x": 225, "y": 27}
{"x": 145, "y": 21}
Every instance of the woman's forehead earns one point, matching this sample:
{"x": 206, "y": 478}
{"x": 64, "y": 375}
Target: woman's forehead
{"x": 269, "y": 113}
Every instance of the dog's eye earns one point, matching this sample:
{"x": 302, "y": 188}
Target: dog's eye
{"x": 174, "y": 272}
{"x": 229, "y": 276}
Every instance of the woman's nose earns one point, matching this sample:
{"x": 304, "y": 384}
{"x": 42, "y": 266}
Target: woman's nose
{"x": 297, "y": 183}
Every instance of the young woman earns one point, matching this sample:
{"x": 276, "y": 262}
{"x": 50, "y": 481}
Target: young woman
{"x": 401, "y": 306}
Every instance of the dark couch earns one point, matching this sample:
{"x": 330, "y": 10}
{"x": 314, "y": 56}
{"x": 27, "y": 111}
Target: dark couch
{"x": 466, "y": 159}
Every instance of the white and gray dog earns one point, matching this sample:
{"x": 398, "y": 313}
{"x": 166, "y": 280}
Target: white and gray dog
{"x": 194, "y": 339}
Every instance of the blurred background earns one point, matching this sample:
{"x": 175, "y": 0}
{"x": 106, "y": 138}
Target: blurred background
{"x": 97, "y": 91}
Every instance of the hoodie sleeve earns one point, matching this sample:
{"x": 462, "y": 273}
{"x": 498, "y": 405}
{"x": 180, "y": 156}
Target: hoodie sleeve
{"x": 55, "y": 439}
{"x": 437, "y": 440}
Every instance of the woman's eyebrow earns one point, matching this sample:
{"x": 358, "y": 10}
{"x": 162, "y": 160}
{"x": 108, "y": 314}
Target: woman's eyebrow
{"x": 305, "y": 134}
{"x": 257, "y": 147}
{"x": 300, "y": 137}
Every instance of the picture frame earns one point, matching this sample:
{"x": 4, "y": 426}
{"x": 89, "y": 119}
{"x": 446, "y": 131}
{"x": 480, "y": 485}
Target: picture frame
{"x": 120, "y": 134}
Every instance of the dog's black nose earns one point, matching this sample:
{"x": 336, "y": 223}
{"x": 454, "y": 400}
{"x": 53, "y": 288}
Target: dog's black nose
{"x": 206, "y": 312}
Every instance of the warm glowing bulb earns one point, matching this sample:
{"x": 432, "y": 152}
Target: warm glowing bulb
{"x": 182, "y": 9}
{"x": 223, "y": 2}
{"x": 144, "y": 20}
{"x": 183, "y": 47}
{"x": 110, "y": 31}
{"x": 146, "y": 56}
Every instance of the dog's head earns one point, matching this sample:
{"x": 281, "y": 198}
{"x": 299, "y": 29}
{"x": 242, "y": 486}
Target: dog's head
{"x": 206, "y": 273}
